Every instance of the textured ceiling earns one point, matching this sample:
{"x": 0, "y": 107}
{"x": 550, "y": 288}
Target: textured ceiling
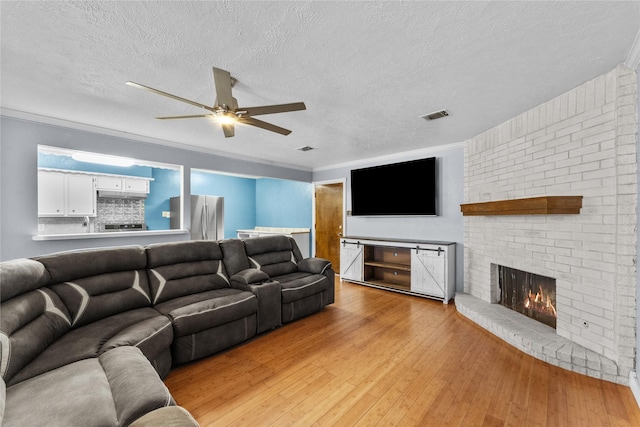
{"x": 367, "y": 71}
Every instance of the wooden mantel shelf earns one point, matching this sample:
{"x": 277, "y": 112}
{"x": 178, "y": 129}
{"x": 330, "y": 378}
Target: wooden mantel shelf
{"x": 546, "y": 205}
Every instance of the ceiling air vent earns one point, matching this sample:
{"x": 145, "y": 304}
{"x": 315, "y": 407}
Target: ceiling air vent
{"x": 435, "y": 115}
{"x": 305, "y": 148}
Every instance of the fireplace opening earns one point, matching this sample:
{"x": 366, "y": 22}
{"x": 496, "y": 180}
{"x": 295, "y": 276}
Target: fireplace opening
{"x": 529, "y": 294}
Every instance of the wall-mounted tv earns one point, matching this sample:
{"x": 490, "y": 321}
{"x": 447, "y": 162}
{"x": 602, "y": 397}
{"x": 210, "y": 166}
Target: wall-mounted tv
{"x": 406, "y": 188}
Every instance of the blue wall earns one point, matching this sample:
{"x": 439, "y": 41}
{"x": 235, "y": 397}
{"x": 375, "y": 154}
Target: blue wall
{"x": 166, "y": 184}
{"x": 252, "y": 202}
{"x": 283, "y": 203}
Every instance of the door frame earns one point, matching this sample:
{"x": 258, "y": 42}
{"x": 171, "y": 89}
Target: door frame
{"x": 342, "y": 181}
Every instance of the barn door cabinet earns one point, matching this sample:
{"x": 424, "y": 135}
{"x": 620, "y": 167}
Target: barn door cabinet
{"x": 416, "y": 267}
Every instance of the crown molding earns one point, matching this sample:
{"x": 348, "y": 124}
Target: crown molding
{"x": 52, "y": 121}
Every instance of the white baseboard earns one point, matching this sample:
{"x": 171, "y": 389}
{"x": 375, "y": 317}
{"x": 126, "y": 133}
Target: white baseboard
{"x": 635, "y": 386}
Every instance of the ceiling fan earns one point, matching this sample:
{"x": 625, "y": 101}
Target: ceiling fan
{"x": 225, "y": 109}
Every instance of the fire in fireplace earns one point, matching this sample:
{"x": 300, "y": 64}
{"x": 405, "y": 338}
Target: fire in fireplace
{"x": 529, "y": 294}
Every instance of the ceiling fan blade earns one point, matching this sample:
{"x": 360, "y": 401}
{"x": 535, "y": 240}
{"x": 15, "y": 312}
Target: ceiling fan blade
{"x": 222, "y": 80}
{"x": 228, "y": 129}
{"x": 264, "y": 125}
{"x": 177, "y": 98}
{"x": 184, "y": 117}
{"x": 272, "y": 109}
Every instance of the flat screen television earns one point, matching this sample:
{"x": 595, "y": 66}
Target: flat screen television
{"x": 406, "y": 188}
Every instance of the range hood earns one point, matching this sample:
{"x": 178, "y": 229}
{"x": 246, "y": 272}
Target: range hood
{"x": 121, "y": 194}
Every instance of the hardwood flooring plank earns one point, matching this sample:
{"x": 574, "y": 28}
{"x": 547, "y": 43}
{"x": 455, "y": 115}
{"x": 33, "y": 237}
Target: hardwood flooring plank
{"x": 387, "y": 359}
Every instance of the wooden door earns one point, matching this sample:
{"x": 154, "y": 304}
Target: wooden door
{"x": 329, "y": 212}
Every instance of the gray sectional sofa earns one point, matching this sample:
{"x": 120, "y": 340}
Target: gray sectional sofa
{"x": 87, "y": 336}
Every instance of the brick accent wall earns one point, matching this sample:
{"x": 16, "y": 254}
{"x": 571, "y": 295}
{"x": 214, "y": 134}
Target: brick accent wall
{"x": 581, "y": 143}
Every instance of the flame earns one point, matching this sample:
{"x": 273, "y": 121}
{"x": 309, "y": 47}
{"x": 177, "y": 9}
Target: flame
{"x": 540, "y": 302}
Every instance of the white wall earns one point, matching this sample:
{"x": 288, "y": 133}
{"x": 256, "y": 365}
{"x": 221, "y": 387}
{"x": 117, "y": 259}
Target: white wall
{"x": 447, "y": 226}
{"x": 19, "y": 140}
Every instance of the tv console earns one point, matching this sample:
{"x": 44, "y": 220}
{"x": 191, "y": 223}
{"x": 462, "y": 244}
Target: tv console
{"x": 416, "y": 267}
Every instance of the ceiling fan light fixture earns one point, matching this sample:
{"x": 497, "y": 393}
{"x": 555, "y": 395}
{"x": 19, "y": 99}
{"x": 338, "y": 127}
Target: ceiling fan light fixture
{"x": 102, "y": 159}
{"x": 225, "y": 119}
{"x": 225, "y": 111}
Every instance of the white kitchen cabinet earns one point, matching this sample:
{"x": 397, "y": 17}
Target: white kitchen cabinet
{"x": 351, "y": 260}
{"x": 421, "y": 268}
{"x": 136, "y": 185}
{"x": 65, "y": 194}
{"x": 121, "y": 183}
{"x": 80, "y": 195}
{"x": 112, "y": 183}
{"x": 51, "y": 193}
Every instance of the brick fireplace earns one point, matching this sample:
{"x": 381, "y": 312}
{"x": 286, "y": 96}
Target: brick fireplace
{"x": 582, "y": 143}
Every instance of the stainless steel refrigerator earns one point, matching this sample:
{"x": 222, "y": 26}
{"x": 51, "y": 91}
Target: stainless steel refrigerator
{"x": 207, "y": 217}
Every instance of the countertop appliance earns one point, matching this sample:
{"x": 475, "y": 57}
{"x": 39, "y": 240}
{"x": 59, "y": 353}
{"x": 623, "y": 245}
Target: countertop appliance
{"x": 124, "y": 227}
{"x": 207, "y": 217}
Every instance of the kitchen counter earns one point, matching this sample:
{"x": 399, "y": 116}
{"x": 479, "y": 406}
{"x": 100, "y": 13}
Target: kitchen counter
{"x": 106, "y": 235}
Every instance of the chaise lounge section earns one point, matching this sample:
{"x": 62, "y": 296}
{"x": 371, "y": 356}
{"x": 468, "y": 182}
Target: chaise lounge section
{"x": 102, "y": 327}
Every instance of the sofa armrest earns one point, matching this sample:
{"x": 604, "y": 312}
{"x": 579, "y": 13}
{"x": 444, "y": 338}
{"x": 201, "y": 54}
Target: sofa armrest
{"x": 267, "y": 292}
{"x": 250, "y": 276}
{"x": 320, "y": 266}
{"x": 314, "y": 265}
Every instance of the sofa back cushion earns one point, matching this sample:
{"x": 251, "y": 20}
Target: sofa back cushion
{"x": 31, "y": 316}
{"x": 184, "y": 268}
{"x": 98, "y": 283}
{"x": 235, "y": 257}
{"x": 275, "y": 255}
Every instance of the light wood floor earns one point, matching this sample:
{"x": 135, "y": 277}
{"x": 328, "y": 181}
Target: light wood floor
{"x": 381, "y": 358}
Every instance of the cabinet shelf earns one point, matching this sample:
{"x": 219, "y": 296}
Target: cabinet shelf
{"x": 391, "y": 266}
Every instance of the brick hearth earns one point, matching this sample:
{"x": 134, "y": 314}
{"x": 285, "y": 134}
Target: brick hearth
{"x": 536, "y": 339}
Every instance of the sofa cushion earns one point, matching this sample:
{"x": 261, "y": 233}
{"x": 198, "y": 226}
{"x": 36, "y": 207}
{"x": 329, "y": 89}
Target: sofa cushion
{"x": 72, "y": 265}
{"x": 144, "y": 328}
{"x": 300, "y": 285}
{"x": 29, "y": 323}
{"x": 20, "y": 276}
{"x": 95, "y": 284}
{"x": 197, "y": 312}
{"x": 275, "y": 243}
{"x": 234, "y": 256}
{"x": 184, "y": 268}
{"x": 115, "y": 389}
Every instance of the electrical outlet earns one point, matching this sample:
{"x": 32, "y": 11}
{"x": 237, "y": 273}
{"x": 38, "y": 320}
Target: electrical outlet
{"x": 40, "y": 227}
{"x": 166, "y": 214}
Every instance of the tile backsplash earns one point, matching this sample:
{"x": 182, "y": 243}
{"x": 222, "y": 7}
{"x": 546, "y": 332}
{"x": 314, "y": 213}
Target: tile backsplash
{"x": 119, "y": 211}
{"x": 109, "y": 211}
